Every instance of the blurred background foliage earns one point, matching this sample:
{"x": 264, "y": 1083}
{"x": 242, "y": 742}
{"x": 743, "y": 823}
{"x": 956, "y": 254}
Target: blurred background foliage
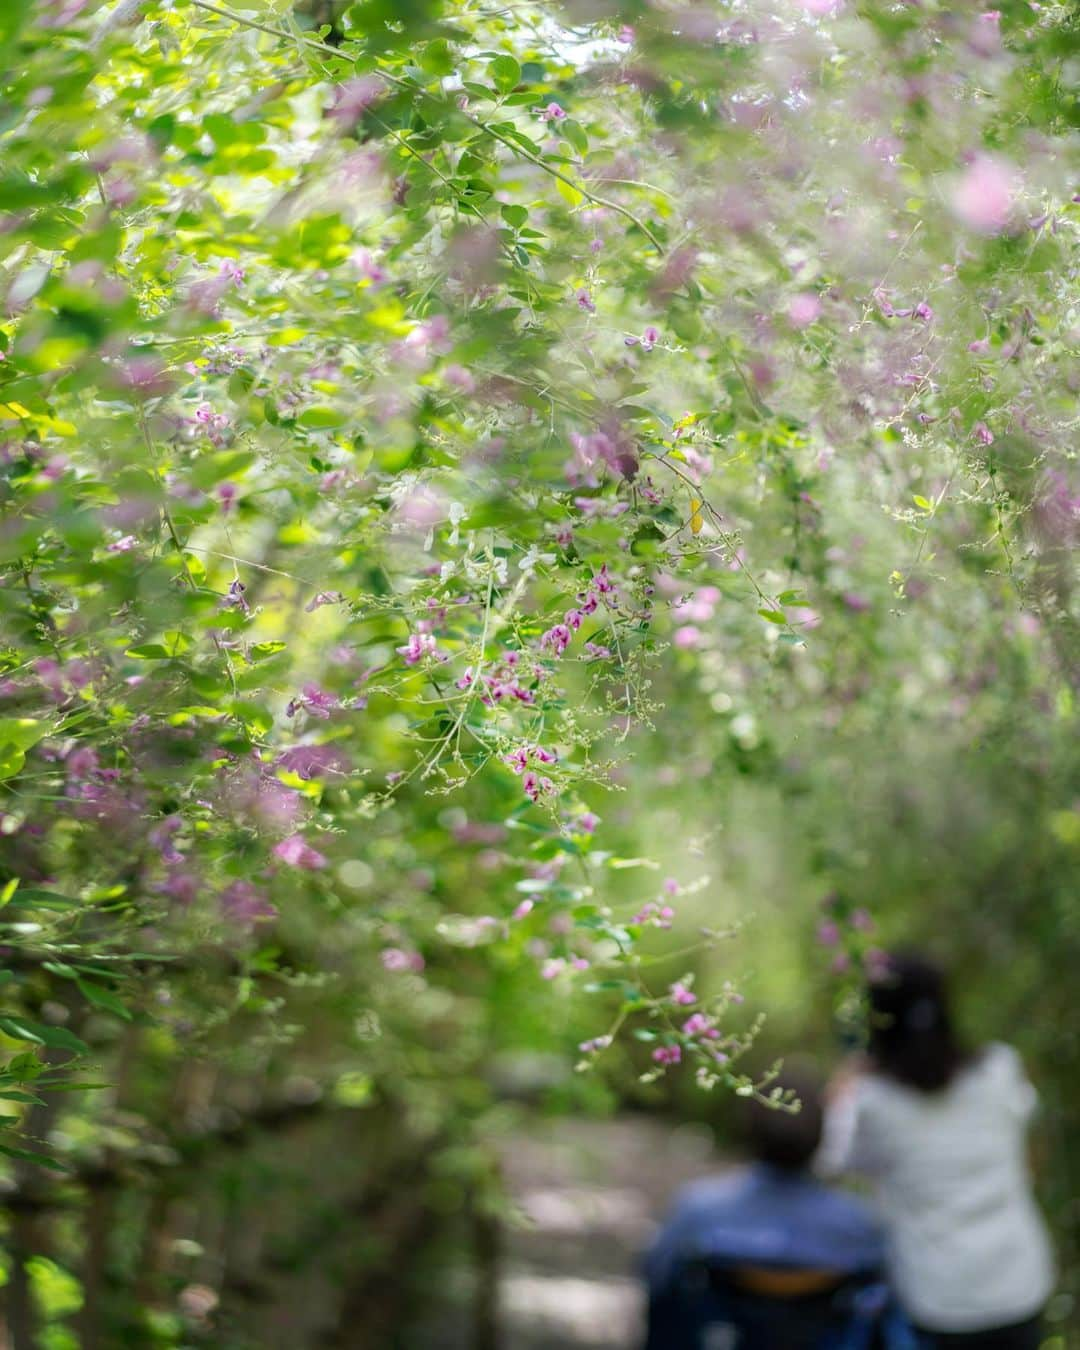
{"x": 506, "y": 511}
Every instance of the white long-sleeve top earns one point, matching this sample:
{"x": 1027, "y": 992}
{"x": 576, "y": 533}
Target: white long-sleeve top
{"x": 967, "y": 1247}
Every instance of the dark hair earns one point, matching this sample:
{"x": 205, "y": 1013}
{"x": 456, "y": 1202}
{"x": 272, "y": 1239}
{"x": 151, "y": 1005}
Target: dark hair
{"x": 781, "y": 1137}
{"x": 911, "y": 1031}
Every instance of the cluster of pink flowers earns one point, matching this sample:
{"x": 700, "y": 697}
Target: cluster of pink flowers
{"x": 921, "y": 311}
{"x": 206, "y": 295}
{"x": 533, "y": 784}
{"x": 842, "y": 922}
{"x": 297, "y": 852}
{"x": 419, "y": 645}
{"x": 401, "y": 959}
{"x": 503, "y": 681}
{"x": 681, "y": 994}
{"x": 559, "y": 636}
{"x": 314, "y": 701}
{"x": 667, "y": 1054}
{"x": 245, "y": 905}
{"x": 214, "y": 424}
{"x": 655, "y": 913}
{"x": 647, "y": 341}
{"x": 554, "y": 966}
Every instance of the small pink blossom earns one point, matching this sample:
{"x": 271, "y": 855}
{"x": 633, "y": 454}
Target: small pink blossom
{"x": 804, "y": 309}
{"x": 679, "y": 993}
{"x": 983, "y": 196}
{"x": 982, "y": 433}
{"x": 556, "y": 639}
{"x": 398, "y": 959}
{"x": 521, "y": 910}
{"x": 324, "y": 598}
{"x": 418, "y": 646}
{"x": 123, "y": 545}
{"x": 297, "y": 852}
{"x": 584, "y": 301}
{"x": 667, "y": 1054}
{"x": 595, "y": 1045}
{"x": 553, "y": 112}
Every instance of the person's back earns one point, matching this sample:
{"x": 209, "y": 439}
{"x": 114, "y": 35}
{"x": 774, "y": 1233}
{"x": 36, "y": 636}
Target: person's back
{"x": 967, "y": 1245}
{"x": 942, "y": 1133}
{"x": 766, "y": 1254}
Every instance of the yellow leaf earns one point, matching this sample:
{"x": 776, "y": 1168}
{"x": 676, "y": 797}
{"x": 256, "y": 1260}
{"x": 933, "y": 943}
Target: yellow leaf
{"x": 696, "y": 520}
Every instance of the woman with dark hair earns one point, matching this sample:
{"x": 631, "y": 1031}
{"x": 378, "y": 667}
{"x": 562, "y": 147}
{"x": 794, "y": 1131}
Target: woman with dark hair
{"x": 941, "y": 1130}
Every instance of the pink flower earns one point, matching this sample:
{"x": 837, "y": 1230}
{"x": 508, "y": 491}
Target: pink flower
{"x": 552, "y": 113}
{"x": 584, "y": 301}
{"x": 862, "y": 921}
{"x": 597, "y": 1044}
{"x": 828, "y": 934}
{"x": 353, "y": 98}
{"x": 518, "y": 759}
{"x": 525, "y": 907}
{"x": 123, "y": 545}
{"x": 587, "y": 822}
{"x": 418, "y": 646}
{"x": 543, "y": 756}
{"x": 667, "y": 1054}
{"x": 983, "y": 196}
{"x": 696, "y": 1025}
{"x": 245, "y": 904}
{"x": 297, "y": 852}
{"x": 686, "y": 636}
{"x": 370, "y": 270}
{"x": 680, "y": 994}
{"x": 982, "y": 433}
{"x": 553, "y": 967}
{"x": 804, "y": 309}
{"x": 556, "y": 639}
{"x": 398, "y": 959}
{"x": 324, "y": 598}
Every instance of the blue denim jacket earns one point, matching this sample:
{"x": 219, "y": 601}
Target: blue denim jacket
{"x": 763, "y": 1217}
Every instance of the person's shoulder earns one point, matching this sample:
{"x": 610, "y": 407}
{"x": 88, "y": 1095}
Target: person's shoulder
{"x": 706, "y": 1193}
{"x": 996, "y": 1060}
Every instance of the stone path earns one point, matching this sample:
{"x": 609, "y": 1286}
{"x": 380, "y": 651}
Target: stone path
{"x": 589, "y": 1194}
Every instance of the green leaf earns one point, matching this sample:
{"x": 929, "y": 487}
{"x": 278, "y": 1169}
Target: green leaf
{"x": 35, "y": 898}
{"x": 776, "y": 616}
{"x": 12, "y": 760}
{"x": 211, "y": 469}
{"x": 505, "y": 73}
{"x": 149, "y": 651}
{"x": 38, "y": 1033}
{"x": 574, "y": 132}
{"x": 42, "y": 1159}
{"x": 103, "y": 998}
{"x": 922, "y": 503}
{"x": 437, "y": 58}
{"x": 22, "y": 732}
{"x": 321, "y": 418}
